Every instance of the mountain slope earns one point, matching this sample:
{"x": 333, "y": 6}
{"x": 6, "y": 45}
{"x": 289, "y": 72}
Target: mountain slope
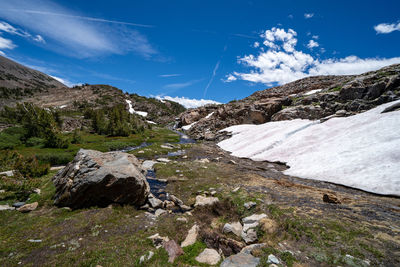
{"x": 309, "y": 98}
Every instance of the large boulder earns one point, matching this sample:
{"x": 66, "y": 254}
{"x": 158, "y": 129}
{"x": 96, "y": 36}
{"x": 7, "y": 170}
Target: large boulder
{"x": 94, "y": 178}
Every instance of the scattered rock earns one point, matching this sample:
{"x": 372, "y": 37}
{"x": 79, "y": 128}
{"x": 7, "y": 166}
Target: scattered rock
{"x": 165, "y": 160}
{"x": 94, "y": 178}
{"x": 159, "y": 212}
{"x": 176, "y": 200}
{"x": 249, "y": 236}
{"x": 249, "y": 205}
{"x": 182, "y": 219}
{"x": 147, "y": 257}
{"x": 28, "y": 207}
{"x": 6, "y": 207}
{"x": 148, "y": 164}
{"x": 37, "y": 191}
{"x": 158, "y": 240}
{"x": 166, "y": 147}
{"x": 240, "y": 260}
{"x": 205, "y": 160}
{"x": 273, "y": 259}
{"x": 18, "y": 204}
{"x": 185, "y": 208}
{"x": 236, "y": 189}
{"x": 209, "y": 256}
{"x": 232, "y": 162}
{"x": 7, "y": 173}
{"x": 235, "y": 228}
{"x": 204, "y": 201}
{"x": 254, "y": 218}
{"x": 249, "y": 249}
{"x": 191, "y": 236}
{"x": 35, "y": 240}
{"x": 213, "y": 193}
{"x": 215, "y": 240}
{"x": 173, "y": 249}
{"x": 331, "y": 198}
{"x": 154, "y": 202}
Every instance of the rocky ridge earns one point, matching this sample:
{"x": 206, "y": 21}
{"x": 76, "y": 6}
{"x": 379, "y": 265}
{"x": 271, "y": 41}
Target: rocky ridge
{"x": 320, "y": 97}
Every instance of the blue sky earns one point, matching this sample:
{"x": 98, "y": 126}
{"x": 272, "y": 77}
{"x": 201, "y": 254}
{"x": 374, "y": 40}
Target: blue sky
{"x": 219, "y": 50}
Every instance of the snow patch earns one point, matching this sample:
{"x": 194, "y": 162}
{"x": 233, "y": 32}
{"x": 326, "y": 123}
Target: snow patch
{"x": 151, "y": 122}
{"x": 313, "y": 92}
{"x": 187, "y": 127}
{"x": 361, "y": 151}
{"x": 132, "y": 111}
{"x": 209, "y": 115}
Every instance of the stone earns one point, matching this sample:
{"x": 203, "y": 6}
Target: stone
{"x": 158, "y": 240}
{"x": 18, "y": 204}
{"x": 165, "y": 160}
{"x": 330, "y": 198}
{"x": 159, "y": 212}
{"x": 37, "y": 191}
{"x": 240, "y": 260}
{"x": 205, "y": 160}
{"x": 148, "y": 164}
{"x": 236, "y": 189}
{"x": 7, "y": 173}
{"x": 268, "y": 225}
{"x": 174, "y": 199}
{"x": 249, "y": 249}
{"x": 147, "y": 257}
{"x": 191, "y": 236}
{"x": 173, "y": 250}
{"x": 213, "y": 193}
{"x": 185, "y": 208}
{"x": 28, "y": 207}
{"x": 6, "y": 207}
{"x": 94, "y": 178}
{"x": 154, "y": 202}
{"x": 166, "y": 147}
{"x": 204, "y": 201}
{"x": 254, "y": 218}
{"x": 249, "y": 236}
{"x": 35, "y": 240}
{"x": 209, "y": 256}
{"x": 182, "y": 219}
{"x": 235, "y": 228}
{"x": 249, "y": 205}
{"x": 214, "y": 239}
{"x": 272, "y": 259}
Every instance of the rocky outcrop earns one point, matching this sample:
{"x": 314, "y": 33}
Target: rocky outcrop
{"x": 94, "y": 178}
{"x": 314, "y": 98}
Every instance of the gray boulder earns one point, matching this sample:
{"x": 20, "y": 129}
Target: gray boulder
{"x": 94, "y": 178}
{"x": 240, "y": 260}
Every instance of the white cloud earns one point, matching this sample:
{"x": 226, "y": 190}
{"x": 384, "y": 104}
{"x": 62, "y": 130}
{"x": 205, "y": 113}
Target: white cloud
{"x": 39, "y": 38}
{"x": 2, "y": 54}
{"x": 64, "y": 81}
{"x": 67, "y": 32}
{"x": 316, "y": 37}
{"x": 6, "y": 43}
{"x": 279, "y": 65}
{"x": 187, "y": 102}
{"x": 169, "y": 75}
{"x": 311, "y": 44}
{"x": 387, "y": 27}
{"x": 256, "y": 44}
{"x": 6, "y": 27}
{"x": 308, "y": 15}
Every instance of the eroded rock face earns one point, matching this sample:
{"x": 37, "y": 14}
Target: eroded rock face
{"x": 94, "y": 178}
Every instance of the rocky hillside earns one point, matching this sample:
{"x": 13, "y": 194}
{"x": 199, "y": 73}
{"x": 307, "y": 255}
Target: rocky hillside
{"x": 21, "y": 84}
{"x": 319, "y": 97}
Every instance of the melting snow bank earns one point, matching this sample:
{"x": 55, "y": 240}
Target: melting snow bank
{"x": 131, "y": 110}
{"x": 361, "y": 151}
{"x": 187, "y": 127}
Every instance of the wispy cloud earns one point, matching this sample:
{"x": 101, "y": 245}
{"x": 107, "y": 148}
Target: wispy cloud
{"x": 279, "y": 61}
{"x": 384, "y": 28}
{"x": 169, "y": 75}
{"x": 211, "y": 78}
{"x": 182, "y": 85}
{"x": 6, "y": 43}
{"x": 308, "y": 15}
{"x": 187, "y": 102}
{"x": 6, "y": 27}
{"x": 244, "y": 36}
{"x": 81, "y": 17}
{"x": 74, "y": 34}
